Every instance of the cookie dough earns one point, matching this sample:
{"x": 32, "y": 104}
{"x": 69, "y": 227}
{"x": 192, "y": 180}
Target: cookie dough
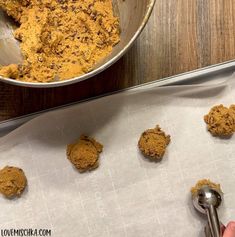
{"x": 60, "y": 39}
{"x": 153, "y": 143}
{"x": 221, "y": 120}
{"x": 12, "y": 181}
{"x": 84, "y": 154}
{"x": 205, "y": 182}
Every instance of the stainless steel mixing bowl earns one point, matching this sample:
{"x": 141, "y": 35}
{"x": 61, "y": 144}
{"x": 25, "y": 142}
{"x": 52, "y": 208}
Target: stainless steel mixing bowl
{"x": 133, "y": 15}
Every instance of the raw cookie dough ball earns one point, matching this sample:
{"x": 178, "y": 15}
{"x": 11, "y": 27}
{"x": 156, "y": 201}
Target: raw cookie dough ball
{"x": 221, "y": 120}
{"x": 153, "y": 143}
{"x": 84, "y": 153}
{"x": 12, "y": 181}
{"x": 205, "y": 182}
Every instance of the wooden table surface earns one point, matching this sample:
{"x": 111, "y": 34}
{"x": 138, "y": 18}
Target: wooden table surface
{"x": 181, "y": 35}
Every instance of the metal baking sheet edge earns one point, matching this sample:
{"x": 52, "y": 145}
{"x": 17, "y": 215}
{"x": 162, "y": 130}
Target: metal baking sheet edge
{"x": 191, "y": 77}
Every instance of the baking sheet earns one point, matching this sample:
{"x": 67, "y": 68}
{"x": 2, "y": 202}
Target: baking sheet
{"x": 127, "y": 195}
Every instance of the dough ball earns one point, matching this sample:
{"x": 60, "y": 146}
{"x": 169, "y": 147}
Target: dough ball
{"x": 221, "y": 120}
{"x": 84, "y": 154}
{"x": 12, "y": 181}
{"x": 153, "y": 143}
{"x": 202, "y": 183}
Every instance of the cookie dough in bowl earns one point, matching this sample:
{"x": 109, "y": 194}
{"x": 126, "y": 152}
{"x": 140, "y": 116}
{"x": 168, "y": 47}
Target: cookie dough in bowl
{"x": 72, "y": 40}
{"x": 60, "y": 40}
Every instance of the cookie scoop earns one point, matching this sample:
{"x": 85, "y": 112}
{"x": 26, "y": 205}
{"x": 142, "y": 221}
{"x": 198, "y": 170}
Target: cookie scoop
{"x": 206, "y": 201}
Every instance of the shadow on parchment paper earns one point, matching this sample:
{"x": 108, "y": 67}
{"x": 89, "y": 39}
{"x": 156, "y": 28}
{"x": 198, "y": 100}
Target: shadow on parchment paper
{"x": 149, "y": 163}
{"x": 201, "y": 232}
{"x": 61, "y": 127}
{"x": 168, "y": 93}
{"x": 58, "y": 128}
{"x": 205, "y": 92}
{"x": 194, "y": 91}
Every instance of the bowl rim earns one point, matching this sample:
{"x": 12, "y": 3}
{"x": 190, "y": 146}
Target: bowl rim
{"x": 91, "y": 73}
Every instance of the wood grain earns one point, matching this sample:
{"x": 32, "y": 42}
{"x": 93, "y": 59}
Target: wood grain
{"x": 181, "y": 35}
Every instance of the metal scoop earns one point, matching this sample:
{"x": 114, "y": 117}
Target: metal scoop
{"x": 207, "y": 201}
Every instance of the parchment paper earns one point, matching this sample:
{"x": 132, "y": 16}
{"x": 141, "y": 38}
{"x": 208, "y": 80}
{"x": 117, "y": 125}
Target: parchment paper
{"x": 127, "y": 195}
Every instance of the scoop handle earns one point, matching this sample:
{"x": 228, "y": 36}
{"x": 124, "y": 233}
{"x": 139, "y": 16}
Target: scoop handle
{"x": 214, "y": 222}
